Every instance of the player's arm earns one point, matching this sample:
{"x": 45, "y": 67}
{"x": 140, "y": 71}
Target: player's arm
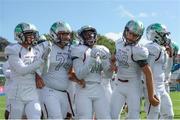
{"x": 141, "y": 59}
{"x": 113, "y": 63}
{"x": 6, "y": 70}
{"x": 39, "y": 81}
{"x": 150, "y": 85}
{"x": 82, "y": 67}
{"x": 18, "y": 65}
{"x": 72, "y": 77}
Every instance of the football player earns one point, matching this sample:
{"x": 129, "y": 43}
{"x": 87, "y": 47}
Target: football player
{"x": 131, "y": 58}
{"x": 23, "y": 63}
{"x": 158, "y": 34}
{"x": 89, "y": 60}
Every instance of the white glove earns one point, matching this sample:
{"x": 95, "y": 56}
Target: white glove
{"x": 46, "y": 53}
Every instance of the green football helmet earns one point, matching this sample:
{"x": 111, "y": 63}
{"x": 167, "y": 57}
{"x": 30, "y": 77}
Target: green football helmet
{"x": 175, "y": 48}
{"x": 59, "y": 27}
{"x": 135, "y": 27}
{"x": 90, "y": 38}
{"x": 23, "y": 28}
{"x": 157, "y": 33}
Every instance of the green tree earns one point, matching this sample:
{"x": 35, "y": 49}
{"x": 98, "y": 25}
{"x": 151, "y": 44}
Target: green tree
{"x": 110, "y": 44}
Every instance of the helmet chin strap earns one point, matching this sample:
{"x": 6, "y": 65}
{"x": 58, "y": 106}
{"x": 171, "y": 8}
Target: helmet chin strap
{"x": 130, "y": 43}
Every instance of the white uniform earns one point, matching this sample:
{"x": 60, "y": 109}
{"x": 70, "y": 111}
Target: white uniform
{"x": 169, "y": 64}
{"x": 91, "y": 98}
{"x": 56, "y": 80}
{"x": 8, "y": 83}
{"x": 128, "y": 79}
{"x": 23, "y": 95}
{"x": 43, "y": 69}
{"x": 157, "y": 59}
{"x": 107, "y": 86}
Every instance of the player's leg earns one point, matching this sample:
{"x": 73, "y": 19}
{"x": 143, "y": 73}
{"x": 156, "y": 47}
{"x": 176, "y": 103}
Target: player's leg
{"x": 6, "y": 113}
{"x": 102, "y": 106}
{"x": 52, "y": 103}
{"x": 71, "y": 91}
{"x": 107, "y": 90}
{"x": 166, "y": 107}
{"x": 16, "y": 109}
{"x": 117, "y": 103}
{"x": 83, "y": 105}
{"x": 134, "y": 93}
{"x": 64, "y": 104}
{"x": 133, "y": 102}
{"x": 33, "y": 109}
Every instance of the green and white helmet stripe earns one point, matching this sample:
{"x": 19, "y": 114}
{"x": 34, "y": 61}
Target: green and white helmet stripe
{"x": 135, "y": 27}
{"x": 59, "y": 27}
{"x": 158, "y": 33}
{"x": 22, "y": 28}
{"x": 175, "y": 48}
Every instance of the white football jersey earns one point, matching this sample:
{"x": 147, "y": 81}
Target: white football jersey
{"x": 82, "y": 55}
{"x": 60, "y": 62}
{"x": 41, "y": 47}
{"x": 126, "y": 56}
{"x": 169, "y": 65}
{"x": 157, "y": 60}
{"x": 7, "y": 73}
{"x": 23, "y": 64}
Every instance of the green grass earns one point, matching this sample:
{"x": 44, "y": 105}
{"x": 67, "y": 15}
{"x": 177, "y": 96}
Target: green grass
{"x": 2, "y": 106}
{"x": 175, "y": 96}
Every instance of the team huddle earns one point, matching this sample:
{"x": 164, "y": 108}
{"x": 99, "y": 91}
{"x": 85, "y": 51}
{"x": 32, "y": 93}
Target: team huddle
{"x": 62, "y": 80}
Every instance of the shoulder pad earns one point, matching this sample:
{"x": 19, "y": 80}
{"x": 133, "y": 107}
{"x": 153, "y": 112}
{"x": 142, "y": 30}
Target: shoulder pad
{"x": 140, "y": 52}
{"x": 12, "y": 49}
{"x": 78, "y": 51}
{"x": 153, "y": 49}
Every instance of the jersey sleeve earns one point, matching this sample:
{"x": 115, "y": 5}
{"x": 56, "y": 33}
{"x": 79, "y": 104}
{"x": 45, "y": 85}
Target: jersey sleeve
{"x": 78, "y": 52}
{"x": 154, "y": 53}
{"x": 140, "y": 55}
{"x": 17, "y": 65}
{"x": 45, "y": 67}
{"x": 6, "y": 70}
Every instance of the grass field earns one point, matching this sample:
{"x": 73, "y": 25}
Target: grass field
{"x": 174, "y": 95}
